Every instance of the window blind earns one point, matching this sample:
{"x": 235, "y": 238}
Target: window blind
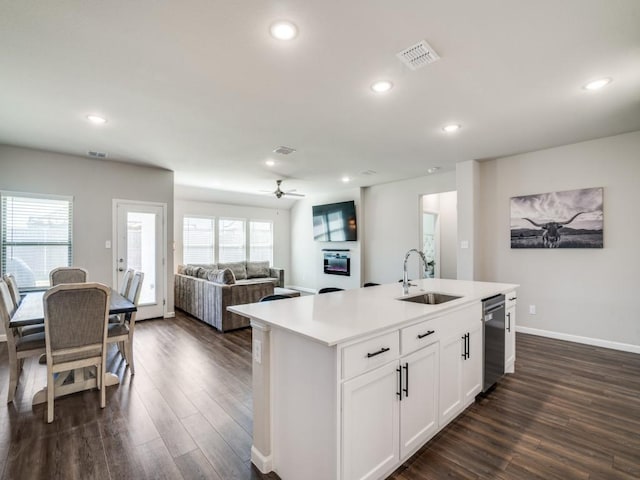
{"x": 198, "y": 236}
{"x": 231, "y": 240}
{"x": 261, "y": 241}
{"x": 36, "y": 236}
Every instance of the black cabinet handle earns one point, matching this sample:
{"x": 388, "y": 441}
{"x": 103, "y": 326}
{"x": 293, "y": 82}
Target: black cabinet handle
{"x": 513, "y": 298}
{"x": 399, "y": 392}
{"x": 465, "y": 339}
{"x": 509, "y": 322}
{"x": 422, "y": 335}
{"x": 406, "y": 380}
{"x": 382, "y": 350}
{"x": 468, "y": 345}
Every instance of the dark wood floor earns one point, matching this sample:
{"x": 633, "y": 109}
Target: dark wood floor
{"x": 570, "y": 411}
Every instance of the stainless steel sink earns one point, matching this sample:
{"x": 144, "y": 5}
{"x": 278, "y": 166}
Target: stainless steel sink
{"x": 430, "y": 298}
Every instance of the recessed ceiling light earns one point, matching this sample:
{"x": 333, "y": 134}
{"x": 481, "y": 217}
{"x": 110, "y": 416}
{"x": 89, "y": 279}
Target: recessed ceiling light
{"x": 597, "y": 84}
{"x": 382, "y": 86}
{"x": 283, "y": 30}
{"x": 97, "y": 119}
{"x": 346, "y": 179}
{"x": 433, "y": 170}
{"x": 454, "y": 127}
{"x": 269, "y": 163}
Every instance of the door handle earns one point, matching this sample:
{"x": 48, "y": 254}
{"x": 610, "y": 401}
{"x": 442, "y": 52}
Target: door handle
{"x": 509, "y": 322}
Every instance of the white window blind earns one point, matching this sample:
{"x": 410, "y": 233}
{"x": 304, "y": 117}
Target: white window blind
{"x": 198, "y": 236}
{"x": 261, "y": 241}
{"x": 36, "y": 236}
{"x": 231, "y": 240}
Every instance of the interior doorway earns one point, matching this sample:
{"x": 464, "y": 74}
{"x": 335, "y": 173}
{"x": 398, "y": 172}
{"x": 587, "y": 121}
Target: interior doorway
{"x": 438, "y": 229}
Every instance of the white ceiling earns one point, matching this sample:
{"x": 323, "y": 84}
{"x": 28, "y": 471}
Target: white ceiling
{"x": 200, "y": 87}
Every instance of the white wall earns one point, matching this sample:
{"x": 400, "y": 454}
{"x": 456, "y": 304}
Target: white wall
{"x": 392, "y": 224}
{"x": 590, "y": 293}
{"x": 280, "y": 219}
{"x": 93, "y": 185}
{"x": 468, "y": 187}
{"x": 446, "y": 206}
{"x": 306, "y": 253}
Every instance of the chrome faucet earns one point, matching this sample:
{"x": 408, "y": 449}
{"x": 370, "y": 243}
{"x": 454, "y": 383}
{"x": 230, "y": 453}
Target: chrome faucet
{"x": 405, "y": 276}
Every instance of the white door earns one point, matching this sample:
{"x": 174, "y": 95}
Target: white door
{"x": 370, "y": 414}
{"x": 472, "y": 366}
{"x": 450, "y": 392}
{"x": 419, "y": 407}
{"x": 139, "y": 245}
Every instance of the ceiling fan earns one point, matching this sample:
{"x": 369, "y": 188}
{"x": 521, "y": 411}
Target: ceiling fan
{"x": 281, "y": 193}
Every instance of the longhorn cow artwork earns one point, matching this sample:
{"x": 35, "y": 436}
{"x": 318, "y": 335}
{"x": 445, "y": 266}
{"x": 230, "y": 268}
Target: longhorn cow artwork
{"x": 566, "y": 219}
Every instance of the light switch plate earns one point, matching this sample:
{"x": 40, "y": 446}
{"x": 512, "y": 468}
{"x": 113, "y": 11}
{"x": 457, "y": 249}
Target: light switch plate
{"x": 107, "y": 244}
{"x": 464, "y": 244}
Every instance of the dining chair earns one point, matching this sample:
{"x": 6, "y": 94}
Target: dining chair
{"x": 124, "y": 291}
{"x": 275, "y": 296}
{"x": 19, "y": 346}
{"x": 330, "y": 289}
{"x": 13, "y": 288}
{"x": 61, "y": 275}
{"x": 122, "y": 333}
{"x": 75, "y": 322}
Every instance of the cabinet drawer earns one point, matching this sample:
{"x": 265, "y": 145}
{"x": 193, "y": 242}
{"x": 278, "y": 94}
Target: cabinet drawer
{"x": 420, "y": 335}
{"x": 372, "y": 353}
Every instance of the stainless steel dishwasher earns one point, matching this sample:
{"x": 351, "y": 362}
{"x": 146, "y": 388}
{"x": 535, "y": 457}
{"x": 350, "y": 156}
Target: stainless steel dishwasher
{"x": 493, "y": 320}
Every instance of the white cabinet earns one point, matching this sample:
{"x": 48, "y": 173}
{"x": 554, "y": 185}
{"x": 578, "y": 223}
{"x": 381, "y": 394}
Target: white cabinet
{"x": 419, "y": 404}
{"x": 391, "y": 411}
{"x": 472, "y": 364}
{"x": 460, "y": 363}
{"x": 370, "y": 428}
{"x": 510, "y": 333}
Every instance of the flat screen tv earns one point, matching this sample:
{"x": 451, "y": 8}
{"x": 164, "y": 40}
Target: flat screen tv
{"x": 335, "y": 222}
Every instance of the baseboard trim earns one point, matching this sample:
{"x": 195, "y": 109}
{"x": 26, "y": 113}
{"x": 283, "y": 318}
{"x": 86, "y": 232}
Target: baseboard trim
{"x": 302, "y": 289}
{"x": 264, "y": 464}
{"x": 170, "y": 315}
{"x": 3, "y": 338}
{"x": 596, "y": 342}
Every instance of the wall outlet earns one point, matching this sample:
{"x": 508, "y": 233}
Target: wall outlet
{"x": 532, "y": 309}
{"x": 257, "y": 351}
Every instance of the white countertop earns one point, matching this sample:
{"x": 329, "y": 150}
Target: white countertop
{"x": 339, "y": 317}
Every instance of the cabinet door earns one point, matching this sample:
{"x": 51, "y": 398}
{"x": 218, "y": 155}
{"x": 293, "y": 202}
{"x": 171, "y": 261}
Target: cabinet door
{"x": 370, "y": 422}
{"x": 510, "y": 340}
{"x": 472, "y": 366}
{"x": 450, "y": 391}
{"x": 418, "y": 408}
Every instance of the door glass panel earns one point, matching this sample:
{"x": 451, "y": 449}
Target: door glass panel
{"x": 141, "y": 251}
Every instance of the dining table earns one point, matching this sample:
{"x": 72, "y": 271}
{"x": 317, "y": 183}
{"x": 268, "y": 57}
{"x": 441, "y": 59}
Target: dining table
{"x": 31, "y": 312}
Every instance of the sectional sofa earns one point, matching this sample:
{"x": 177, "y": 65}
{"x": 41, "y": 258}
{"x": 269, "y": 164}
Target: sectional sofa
{"x": 206, "y": 290}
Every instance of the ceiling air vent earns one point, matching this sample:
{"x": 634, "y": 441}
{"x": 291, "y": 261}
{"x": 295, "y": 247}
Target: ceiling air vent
{"x": 368, "y": 172}
{"x": 282, "y": 150}
{"x": 418, "y": 55}
{"x": 97, "y": 154}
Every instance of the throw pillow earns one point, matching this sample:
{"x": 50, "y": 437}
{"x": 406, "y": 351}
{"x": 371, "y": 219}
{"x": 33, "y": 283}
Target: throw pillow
{"x": 181, "y": 269}
{"x": 191, "y": 270}
{"x": 203, "y": 272}
{"x": 257, "y": 269}
{"x": 224, "y": 276}
{"x": 238, "y": 269}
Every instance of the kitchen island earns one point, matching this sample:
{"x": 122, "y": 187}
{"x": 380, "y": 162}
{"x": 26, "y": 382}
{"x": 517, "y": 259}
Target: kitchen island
{"x": 347, "y": 385}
